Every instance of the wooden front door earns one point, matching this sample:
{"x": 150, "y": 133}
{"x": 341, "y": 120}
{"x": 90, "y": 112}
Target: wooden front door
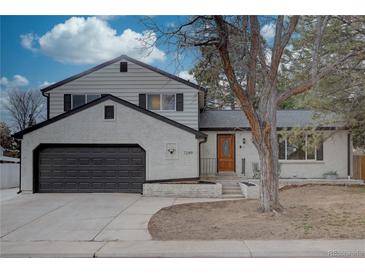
{"x": 226, "y": 152}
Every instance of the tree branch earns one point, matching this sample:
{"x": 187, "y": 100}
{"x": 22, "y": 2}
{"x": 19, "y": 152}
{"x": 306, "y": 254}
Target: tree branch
{"x": 251, "y": 77}
{"x": 321, "y": 25}
{"x": 312, "y": 81}
{"x": 281, "y": 41}
{"x": 240, "y": 93}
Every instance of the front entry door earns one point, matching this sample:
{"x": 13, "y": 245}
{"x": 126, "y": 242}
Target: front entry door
{"x": 226, "y": 153}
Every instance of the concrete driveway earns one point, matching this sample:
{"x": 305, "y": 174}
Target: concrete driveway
{"x": 90, "y": 220}
{"x": 115, "y": 225}
{"x": 79, "y": 217}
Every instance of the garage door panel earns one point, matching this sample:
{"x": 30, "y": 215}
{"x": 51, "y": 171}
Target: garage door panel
{"x": 84, "y": 185}
{"x": 70, "y": 185}
{"x": 136, "y": 168}
{"x": 54, "y": 185}
{"x": 88, "y": 168}
{"x": 138, "y": 174}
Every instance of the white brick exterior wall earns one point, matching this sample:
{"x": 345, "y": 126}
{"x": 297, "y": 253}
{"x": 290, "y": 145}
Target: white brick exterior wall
{"x": 129, "y": 127}
{"x": 335, "y": 156}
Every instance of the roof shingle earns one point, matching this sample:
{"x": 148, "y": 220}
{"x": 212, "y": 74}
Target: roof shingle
{"x": 230, "y": 119}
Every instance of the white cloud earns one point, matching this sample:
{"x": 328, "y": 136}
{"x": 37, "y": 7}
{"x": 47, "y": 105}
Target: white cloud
{"x": 268, "y": 31}
{"x": 16, "y": 81}
{"x": 187, "y": 76}
{"x": 106, "y": 17}
{"x": 27, "y": 40}
{"x": 91, "y": 40}
{"x": 45, "y": 84}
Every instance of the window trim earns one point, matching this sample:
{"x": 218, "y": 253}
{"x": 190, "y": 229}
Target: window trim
{"x": 161, "y": 94}
{"x": 85, "y": 98}
{"x": 314, "y": 160}
{"x": 109, "y": 119}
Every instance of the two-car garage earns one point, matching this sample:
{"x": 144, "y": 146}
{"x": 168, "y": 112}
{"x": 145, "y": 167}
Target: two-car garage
{"x": 81, "y": 151}
{"x": 89, "y": 168}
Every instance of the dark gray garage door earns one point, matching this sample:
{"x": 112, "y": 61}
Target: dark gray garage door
{"x": 89, "y": 168}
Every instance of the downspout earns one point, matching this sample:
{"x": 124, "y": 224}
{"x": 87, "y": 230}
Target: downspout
{"x": 20, "y": 169}
{"x": 47, "y": 96}
{"x": 349, "y": 155}
{"x": 201, "y": 142}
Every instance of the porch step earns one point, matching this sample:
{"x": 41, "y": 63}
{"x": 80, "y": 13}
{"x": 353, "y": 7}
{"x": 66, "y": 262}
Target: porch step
{"x": 231, "y": 186}
{"x": 231, "y": 189}
{"x": 233, "y": 196}
{"x": 232, "y": 192}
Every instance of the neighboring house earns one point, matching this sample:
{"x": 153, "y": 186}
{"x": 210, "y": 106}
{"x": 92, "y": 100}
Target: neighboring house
{"x": 123, "y": 123}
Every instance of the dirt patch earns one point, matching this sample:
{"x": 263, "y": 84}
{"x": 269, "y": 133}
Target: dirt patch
{"x": 311, "y": 212}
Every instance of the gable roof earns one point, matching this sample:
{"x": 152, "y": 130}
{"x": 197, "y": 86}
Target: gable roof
{"x": 129, "y": 59}
{"x": 198, "y": 134}
{"x": 236, "y": 119}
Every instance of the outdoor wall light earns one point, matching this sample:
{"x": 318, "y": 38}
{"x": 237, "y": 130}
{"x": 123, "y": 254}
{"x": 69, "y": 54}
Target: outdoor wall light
{"x": 171, "y": 150}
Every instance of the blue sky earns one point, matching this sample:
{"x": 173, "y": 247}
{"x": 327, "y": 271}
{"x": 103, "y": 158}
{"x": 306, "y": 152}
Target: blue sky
{"x": 36, "y": 50}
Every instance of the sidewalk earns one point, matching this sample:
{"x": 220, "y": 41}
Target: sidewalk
{"x": 222, "y": 248}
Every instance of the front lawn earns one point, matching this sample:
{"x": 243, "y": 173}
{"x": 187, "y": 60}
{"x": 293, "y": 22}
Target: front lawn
{"x": 311, "y": 212}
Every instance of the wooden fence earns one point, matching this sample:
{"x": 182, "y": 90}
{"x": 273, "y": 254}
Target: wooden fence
{"x": 358, "y": 167}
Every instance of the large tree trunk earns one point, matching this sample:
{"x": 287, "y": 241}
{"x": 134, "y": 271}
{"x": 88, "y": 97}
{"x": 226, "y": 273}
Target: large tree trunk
{"x": 269, "y": 180}
{"x": 267, "y": 147}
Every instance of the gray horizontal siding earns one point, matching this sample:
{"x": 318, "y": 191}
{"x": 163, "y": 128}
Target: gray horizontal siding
{"x": 127, "y": 86}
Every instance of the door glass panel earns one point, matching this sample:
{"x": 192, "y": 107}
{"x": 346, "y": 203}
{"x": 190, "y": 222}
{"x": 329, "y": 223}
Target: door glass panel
{"x": 226, "y": 148}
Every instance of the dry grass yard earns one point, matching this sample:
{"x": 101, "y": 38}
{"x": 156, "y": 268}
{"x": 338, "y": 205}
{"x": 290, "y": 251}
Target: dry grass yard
{"x": 311, "y": 212}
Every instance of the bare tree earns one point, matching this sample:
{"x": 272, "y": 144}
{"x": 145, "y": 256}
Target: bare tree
{"x": 252, "y": 67}
{"x": 25, "y": 107}
{"x": 5, "y": 136}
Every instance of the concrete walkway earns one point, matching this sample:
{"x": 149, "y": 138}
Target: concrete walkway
{"x": 190, "y": 249}
{"x": 115, "y": 225}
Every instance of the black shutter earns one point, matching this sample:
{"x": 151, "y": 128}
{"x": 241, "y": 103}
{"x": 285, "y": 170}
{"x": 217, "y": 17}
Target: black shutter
{"x": 67, "y": 102}
{"x": 320, "y": 152}
{"x": 142, "y": 100}
{"x": 180, "y": 102}
{"x": 123, "y": 67}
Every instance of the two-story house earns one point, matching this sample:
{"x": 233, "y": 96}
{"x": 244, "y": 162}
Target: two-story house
{"x": 124, "y": 123}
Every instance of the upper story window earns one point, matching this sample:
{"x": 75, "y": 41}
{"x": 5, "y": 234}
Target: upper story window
{"x": 302, "y": 147}
{"x": 81, "y": 99}
{"x": 161, "y": 102}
